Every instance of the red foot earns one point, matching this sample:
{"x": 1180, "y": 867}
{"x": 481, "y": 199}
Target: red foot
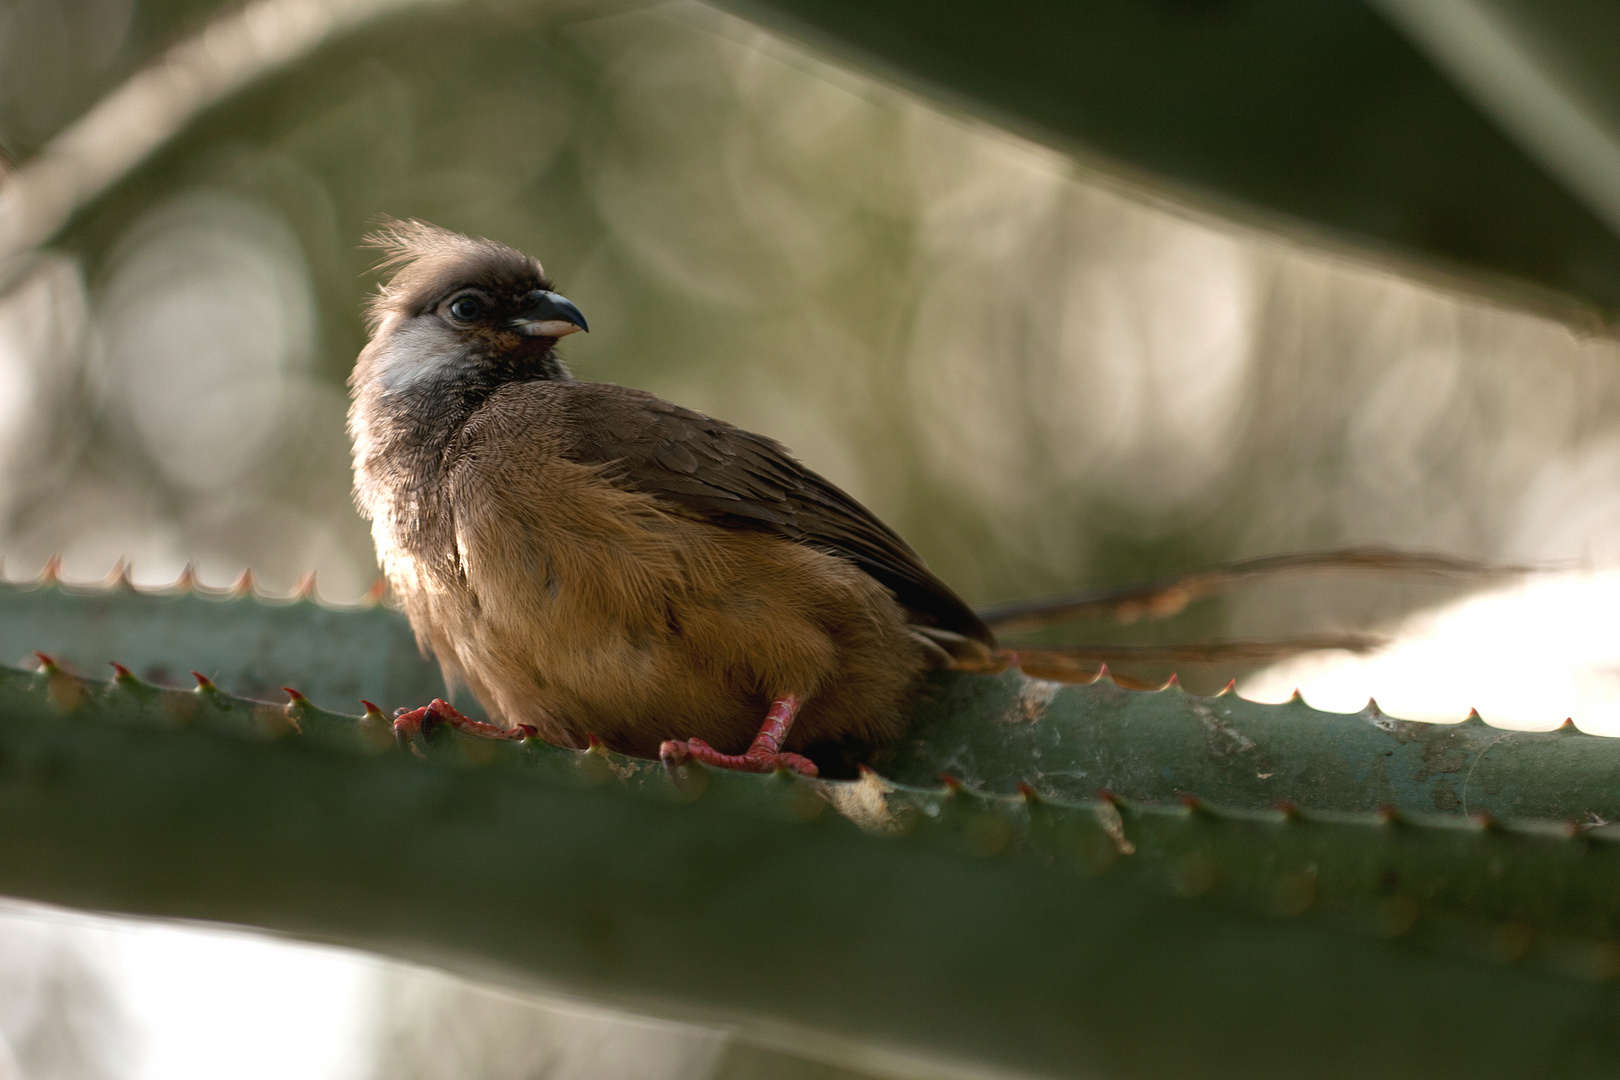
{"x": 676, "y": 751}
{"x": 764, "y": 755}
{"x": 408, "y": 722}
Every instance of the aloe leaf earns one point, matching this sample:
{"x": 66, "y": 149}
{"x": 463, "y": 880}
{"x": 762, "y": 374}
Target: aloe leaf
{"x": 1003, "y": 934}
{"x": 993, "y": 733}
{"x": 1070, "y": 741}
{"x": 337, "y": 656}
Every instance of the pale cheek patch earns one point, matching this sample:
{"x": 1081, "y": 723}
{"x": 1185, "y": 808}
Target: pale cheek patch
{"x": 419, "y": 353}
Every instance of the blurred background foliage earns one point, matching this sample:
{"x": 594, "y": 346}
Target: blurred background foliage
{"x": 1043, "y": 377}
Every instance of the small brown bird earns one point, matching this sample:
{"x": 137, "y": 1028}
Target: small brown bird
{"x": 591, "y": 560}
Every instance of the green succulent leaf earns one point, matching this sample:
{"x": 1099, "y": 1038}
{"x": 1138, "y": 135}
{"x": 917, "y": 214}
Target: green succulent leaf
{"x": 250, "y": 646}
{"x": 1043, "y": 931}
{"x": 1069, "y": 742}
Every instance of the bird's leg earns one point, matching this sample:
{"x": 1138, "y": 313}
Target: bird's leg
{"x": 408, "y": 722}
{"x": 764, "y": 755}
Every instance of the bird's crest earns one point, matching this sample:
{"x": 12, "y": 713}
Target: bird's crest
{"x": 424, "y": 260}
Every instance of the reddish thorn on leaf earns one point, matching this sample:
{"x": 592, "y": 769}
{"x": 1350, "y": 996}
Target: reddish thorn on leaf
{"x": 593, "y": 744}
{"x": 306, "y": 587}
{"x": 952, "y": 784}
{"x": 243, "y": 586}
{"x": 529, "y": 731}
{"x": 1289, "y": 811}
{"x": 1174, "y": 681}
{"x": 118, "y": 576}
{"x": 187, "y": 581}
{"x": 1195, "y": 804}
{"x": 372, "y": 712}
{"x": 203, "y": 681}
{"x": 1372, "y": 707}
{"x": 1104, "y": 795}
{"x": 1296, "y": 698}
{"x": 1229, "y": 688}
{"x": 121, "y": 673}
{"x": 1484, "y": 819}
{"x": 46, "y": 664}
{"x": 51, "y": 573}
{"x": 377, "y": 593}
{"x": 1029, "y": 794}
{"x": 1389, "y": 814}
{"x": 1103, "y": 675}
{"x": 1567, "y": 727}
{"x": 294, "y": 697}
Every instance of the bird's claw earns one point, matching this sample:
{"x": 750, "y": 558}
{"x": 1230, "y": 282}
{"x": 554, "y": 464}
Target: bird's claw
{"x": 679, "y": 751}
{"x": 408, "y": 722}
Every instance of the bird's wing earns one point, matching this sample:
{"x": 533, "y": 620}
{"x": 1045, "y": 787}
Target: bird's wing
{"x": 709, "y": 469}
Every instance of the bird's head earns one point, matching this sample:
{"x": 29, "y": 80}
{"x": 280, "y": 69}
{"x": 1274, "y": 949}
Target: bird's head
{"x": 459, "y": 311}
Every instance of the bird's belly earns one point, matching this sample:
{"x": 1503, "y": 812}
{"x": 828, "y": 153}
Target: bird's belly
{"x": 573, "y": 666}
{"x": 674, "y": 630}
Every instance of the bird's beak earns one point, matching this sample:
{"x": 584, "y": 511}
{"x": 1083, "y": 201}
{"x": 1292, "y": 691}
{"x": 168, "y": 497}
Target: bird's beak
{"x": 545, "y": 314}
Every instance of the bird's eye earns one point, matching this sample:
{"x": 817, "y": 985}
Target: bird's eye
{"x": 467, "y": 308}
